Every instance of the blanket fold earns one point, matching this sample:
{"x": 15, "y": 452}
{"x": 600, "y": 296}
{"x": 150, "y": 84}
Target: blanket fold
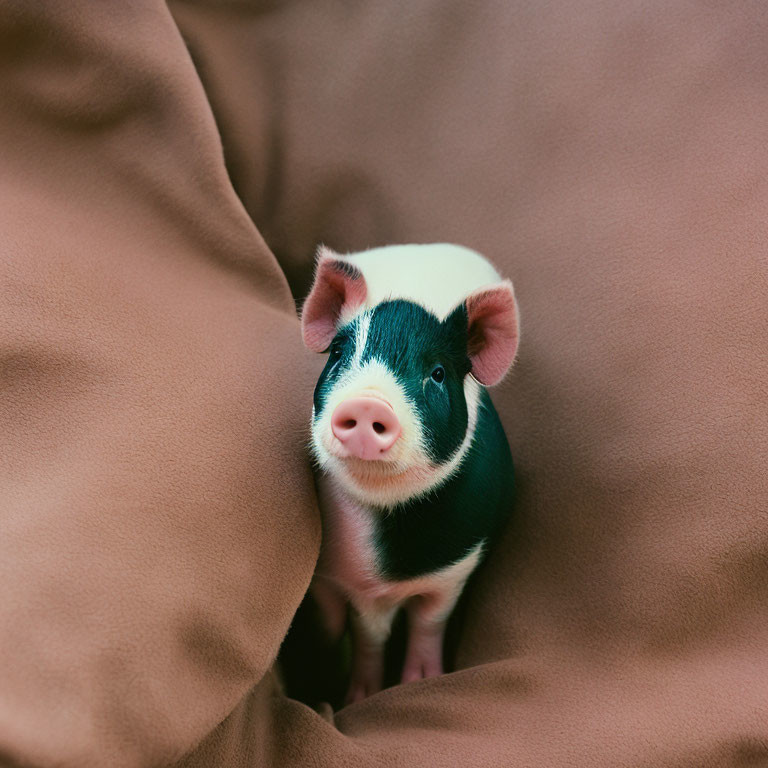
{"x": 158, "y": 525}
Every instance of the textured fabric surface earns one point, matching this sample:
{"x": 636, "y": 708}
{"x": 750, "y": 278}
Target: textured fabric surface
{"x": 152, "y": 552}
{"x": 158, "y": 522}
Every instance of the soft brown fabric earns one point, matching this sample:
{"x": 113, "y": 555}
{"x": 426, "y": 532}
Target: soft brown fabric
{"x": 157, "y": 528}
{"x": 158, "y": 525}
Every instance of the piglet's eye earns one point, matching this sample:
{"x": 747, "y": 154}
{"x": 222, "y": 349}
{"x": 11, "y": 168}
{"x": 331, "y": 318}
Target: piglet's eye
{"x": 438, "y": 374}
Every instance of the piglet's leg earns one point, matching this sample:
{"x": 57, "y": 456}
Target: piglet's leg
{"x": 332, "y": 604}
{"x": 428, "y": 614}
{"x": 427, "y": 618}
{"x": 370, "y": 630}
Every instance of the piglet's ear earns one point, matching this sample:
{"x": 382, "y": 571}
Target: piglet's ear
{"x": 493, "y": 332}
{"x": 339, "y": 288}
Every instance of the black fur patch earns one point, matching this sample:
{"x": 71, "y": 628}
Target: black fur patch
{"x": 431, "y": 533}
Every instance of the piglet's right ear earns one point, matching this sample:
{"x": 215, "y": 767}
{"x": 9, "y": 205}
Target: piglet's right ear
{"x": 493, "y": 331}
{"x": 339, "y": 288}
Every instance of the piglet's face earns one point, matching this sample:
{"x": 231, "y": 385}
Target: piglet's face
{"x": 395, "y": 407}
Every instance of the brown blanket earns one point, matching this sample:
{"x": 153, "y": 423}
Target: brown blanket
{"x": 157, "y": 523}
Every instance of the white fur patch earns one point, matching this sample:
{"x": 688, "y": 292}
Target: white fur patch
{"x": 443, "y": 587}
{"x": 437, "y": 276}
{"x": 448, "y": 583}
{"x": 361, "y": 336}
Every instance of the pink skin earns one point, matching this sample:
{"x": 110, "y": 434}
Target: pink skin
{"x": 424, "y": 654}
{"x": 367, "y": 427}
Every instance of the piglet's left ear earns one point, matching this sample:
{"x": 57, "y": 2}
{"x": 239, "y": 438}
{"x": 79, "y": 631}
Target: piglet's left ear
{"x": 493, "y": 331}
{"x": 339, "y": 288}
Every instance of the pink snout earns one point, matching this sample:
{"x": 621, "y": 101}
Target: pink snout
{"x": 366, "y": 426}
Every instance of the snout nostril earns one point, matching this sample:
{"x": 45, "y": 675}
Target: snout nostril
{"x": 364, "y": 427}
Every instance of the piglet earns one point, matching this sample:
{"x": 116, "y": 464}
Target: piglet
{"x": 415, "y": 473}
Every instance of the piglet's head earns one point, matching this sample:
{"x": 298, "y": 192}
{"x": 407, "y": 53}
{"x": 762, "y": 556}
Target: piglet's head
{"x": 395, "y": 408}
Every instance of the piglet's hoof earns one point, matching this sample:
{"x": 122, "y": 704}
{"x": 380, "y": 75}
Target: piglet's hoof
{"x": 361, "y": 688}
{"x": 420, "y": 668}
{"x": 425, "y": 654}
